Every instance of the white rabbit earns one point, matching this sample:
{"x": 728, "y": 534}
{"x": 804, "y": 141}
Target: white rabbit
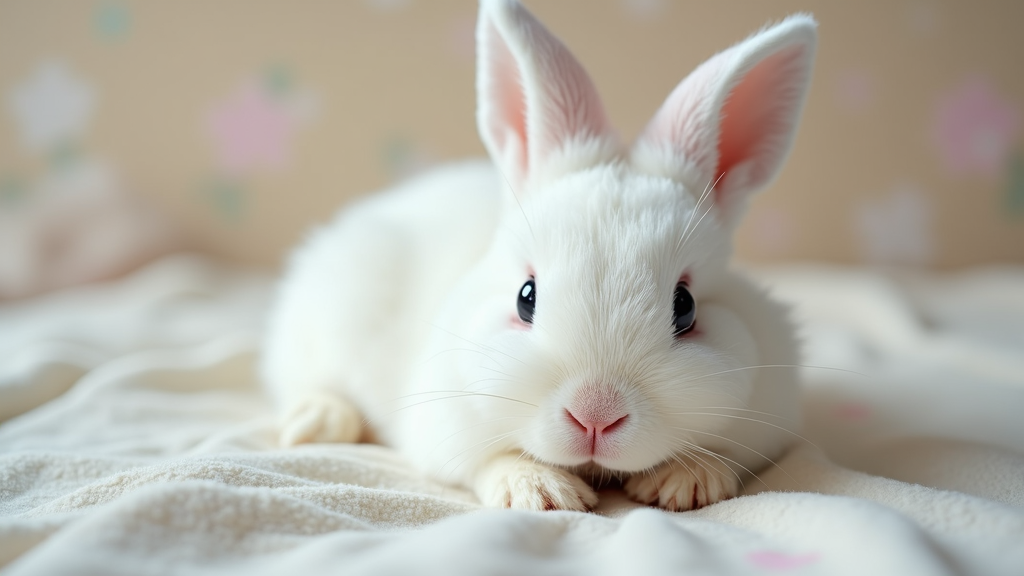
{"x": 566, "y": 312}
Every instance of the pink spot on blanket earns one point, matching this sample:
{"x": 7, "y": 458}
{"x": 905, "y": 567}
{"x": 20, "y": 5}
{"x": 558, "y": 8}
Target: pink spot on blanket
{"x": 770, "y": 560}
{"x": 852, "y": 411}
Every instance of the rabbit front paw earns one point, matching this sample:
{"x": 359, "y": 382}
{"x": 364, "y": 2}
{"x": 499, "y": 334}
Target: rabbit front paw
{"x": 684, "y": 484}
{"x": 321, "y": 417}
{"x": 517, "y": 482}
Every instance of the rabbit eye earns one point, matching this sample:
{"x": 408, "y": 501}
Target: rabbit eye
{"x": 527, "y": 301}
{"x": 684, "y": 310}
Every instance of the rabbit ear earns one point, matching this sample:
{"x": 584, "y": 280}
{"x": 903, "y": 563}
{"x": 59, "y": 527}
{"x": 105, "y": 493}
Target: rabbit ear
{"x": 732, "y": 120}
{"x": 538, "y": 112}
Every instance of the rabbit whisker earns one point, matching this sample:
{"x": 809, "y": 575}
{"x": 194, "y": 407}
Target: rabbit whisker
{"x": 749, "y": 410}
{"x": 723, "y": 460}
{"x": 741, "y": 445}
{"x": 489, "y": 442}
{"x": 515, "y": 196}
{"x": 454, "y": 395}
{"x": 682, "y": 463}
{"x": 482, "y": 346}
{"x": 450, "y": 350}
{"x": 708, "y": 190}
{"x": 496, "y": 371}
{"x": 746, "y": 419}
{"x": 831, "y": 368}
{"x": 471, "y": 426}
{"x": 492, "y": 440}
{"x": 690, "y": 231}
{"x": 686, "y": 238}
{"x": 475, "y": 382}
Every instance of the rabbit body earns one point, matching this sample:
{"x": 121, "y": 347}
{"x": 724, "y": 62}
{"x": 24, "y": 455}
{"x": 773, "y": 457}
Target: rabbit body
{"x": 360, "y": 297}
{"x": 519, "y": 325}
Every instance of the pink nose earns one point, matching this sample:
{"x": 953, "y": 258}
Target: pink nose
{"x": 594, "y": 427}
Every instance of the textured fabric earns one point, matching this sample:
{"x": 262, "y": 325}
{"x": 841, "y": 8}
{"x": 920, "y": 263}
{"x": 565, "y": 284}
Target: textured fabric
{"x": 159, "y": 458}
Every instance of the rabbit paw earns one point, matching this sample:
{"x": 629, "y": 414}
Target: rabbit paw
{"x": 321, "y": 417}
{"x": 686, "y": 484}
{"x": 516, "y": 482}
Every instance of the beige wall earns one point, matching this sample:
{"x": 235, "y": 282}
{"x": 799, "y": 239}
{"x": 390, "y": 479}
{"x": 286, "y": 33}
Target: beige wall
{"x": 352, "y": 95}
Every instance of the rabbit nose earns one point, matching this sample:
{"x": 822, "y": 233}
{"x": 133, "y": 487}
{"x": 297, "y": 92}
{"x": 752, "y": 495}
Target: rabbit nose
{"x": 596, "y": 426}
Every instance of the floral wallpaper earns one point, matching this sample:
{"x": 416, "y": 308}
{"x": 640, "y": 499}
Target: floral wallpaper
{"x": 252, "y": 131}
{"x": 52, "y": 107}
{"x": 246, "y": 124}
{"x": 975, "y": 128}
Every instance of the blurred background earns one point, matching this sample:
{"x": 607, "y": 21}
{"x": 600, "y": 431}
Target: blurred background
{"x": 131, "y": 129}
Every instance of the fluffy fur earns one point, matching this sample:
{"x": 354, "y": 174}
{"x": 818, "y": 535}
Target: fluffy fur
{"x": 403, "y": 310}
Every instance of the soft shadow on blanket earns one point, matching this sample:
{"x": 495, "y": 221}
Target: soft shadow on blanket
{"x": 138, "y": 442}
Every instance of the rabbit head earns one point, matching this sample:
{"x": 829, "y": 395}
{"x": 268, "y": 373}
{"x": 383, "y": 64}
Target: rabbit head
{"x": 611, "y": 320}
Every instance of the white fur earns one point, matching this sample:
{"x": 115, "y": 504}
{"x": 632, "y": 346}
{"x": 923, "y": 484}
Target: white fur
{"x": 404, "y": 308}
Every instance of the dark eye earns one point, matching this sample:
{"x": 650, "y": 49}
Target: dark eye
{"x": 527, "y": 301}
{"x": 684, "y": 310}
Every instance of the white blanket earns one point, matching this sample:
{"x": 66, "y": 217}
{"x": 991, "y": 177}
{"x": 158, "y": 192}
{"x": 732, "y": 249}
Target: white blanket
{"x": 137, "y": 441}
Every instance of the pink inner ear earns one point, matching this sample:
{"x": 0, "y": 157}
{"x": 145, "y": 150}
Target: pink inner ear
{"x": 758, "y": 112}
{"x": 508, "y": 125}
{"x": 572, "y": 108}
{"x": 537, "y": 108}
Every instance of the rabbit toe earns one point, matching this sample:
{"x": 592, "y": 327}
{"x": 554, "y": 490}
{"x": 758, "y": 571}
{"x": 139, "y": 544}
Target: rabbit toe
{"x": 321, "y": 417}
{"x": 684, "y": 484}
{"x": 524, "y": 484}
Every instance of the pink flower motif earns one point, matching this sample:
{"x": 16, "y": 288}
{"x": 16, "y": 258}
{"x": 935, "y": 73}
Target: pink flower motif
{"x": 975, "y": 129}
{"x": 251, "y": 130}
{"x": 770, "y": 560}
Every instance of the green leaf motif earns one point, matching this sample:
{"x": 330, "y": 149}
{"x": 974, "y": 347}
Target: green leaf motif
{"x": 1014, "y": 199}
{"x": 13, "y": 192}
{"x": 277, "y": 80}
{"x": 228, "y": 200}
{"x": 63, "y": 156}
{"x": 397, "y": 155}
{"x": 112, "y": 20}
